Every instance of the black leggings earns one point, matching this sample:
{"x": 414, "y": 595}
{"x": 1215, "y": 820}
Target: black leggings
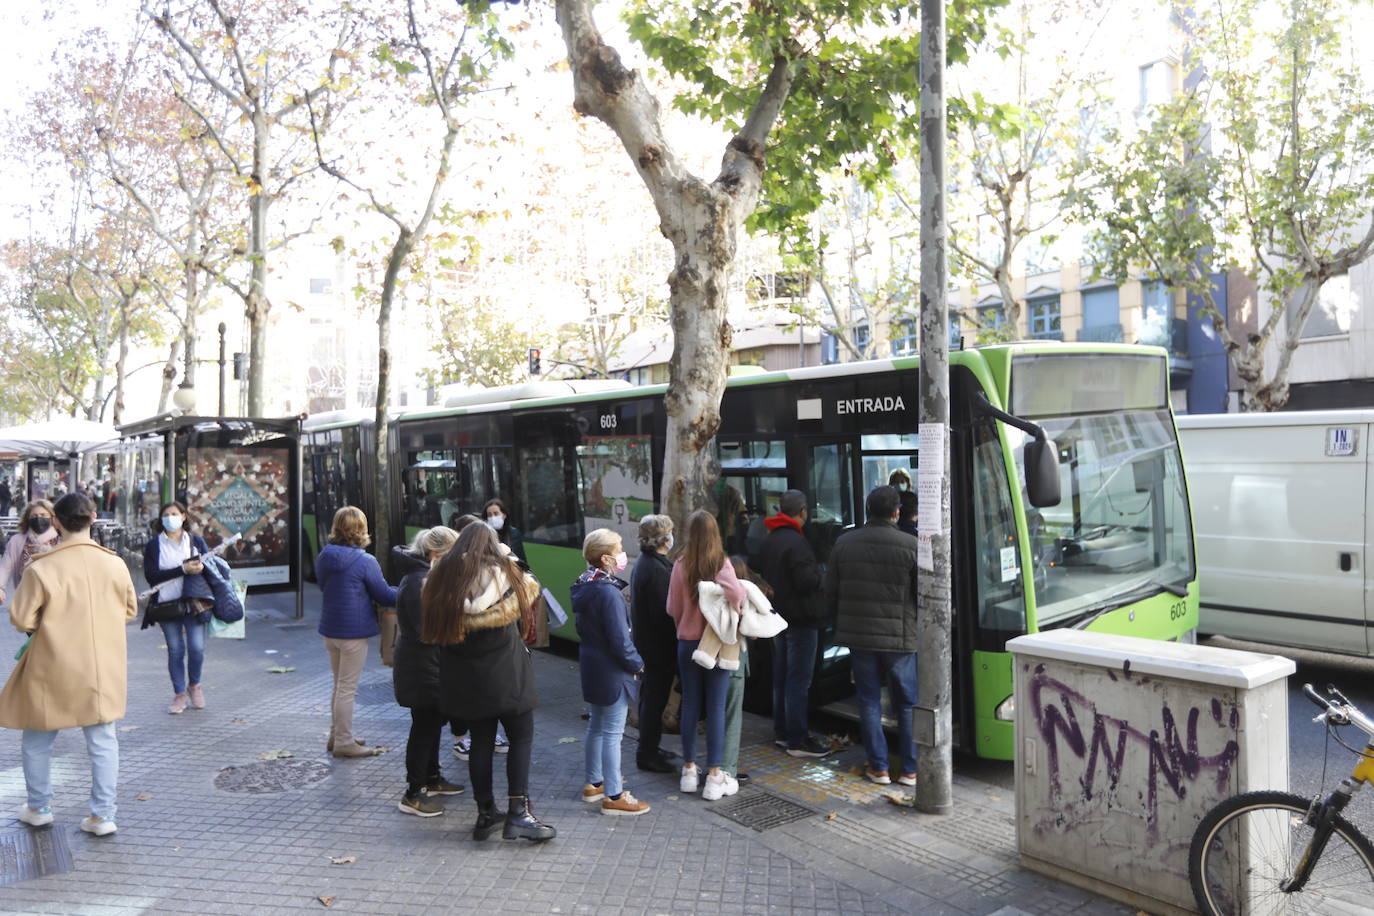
{"x": 653, "y": 700}
{"x": 422, "y": 748}
{"x": 520, "y": 733}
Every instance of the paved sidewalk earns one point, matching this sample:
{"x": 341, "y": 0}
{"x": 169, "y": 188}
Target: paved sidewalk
{"x": 195, "y": 837}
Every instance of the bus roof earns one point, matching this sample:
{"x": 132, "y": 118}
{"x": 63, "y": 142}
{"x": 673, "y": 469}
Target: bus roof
{"x": 624, "y": 390}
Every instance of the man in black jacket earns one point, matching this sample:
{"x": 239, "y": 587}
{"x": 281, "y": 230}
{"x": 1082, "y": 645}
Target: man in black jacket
{"x": 788, "y": 564}
{"x": 871, "y": 586}
{"x": 655, "y": 636}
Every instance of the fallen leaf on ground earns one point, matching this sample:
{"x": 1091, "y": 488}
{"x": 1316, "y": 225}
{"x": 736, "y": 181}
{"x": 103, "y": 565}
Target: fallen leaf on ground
{"x": 832, "y": 815}
{"x": 897, "y": 798}
{"x": 327, "y": 901}
{"x": 239, "y": 720}
{"x": 144, "y": 796}
{"x": 275, "y": 755}
{"x": 342, "y": 860}
{"x": 280, "y": 669}
{"x": 127, "y": 728}
{"x": 567, "y": 740}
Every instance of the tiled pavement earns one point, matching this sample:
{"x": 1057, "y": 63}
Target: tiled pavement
{"x": 188, "y": 844}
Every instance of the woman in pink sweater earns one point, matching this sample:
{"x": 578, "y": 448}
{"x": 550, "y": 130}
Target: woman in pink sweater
{"x": 703, "y": 560}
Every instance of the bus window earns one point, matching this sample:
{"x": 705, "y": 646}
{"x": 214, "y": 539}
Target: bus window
{"x": 547, "y": 493}
{"x": 753, "y": 475}
{"x": 831, "y": 490}
{"x": 615, "y": 485}
{"x": 431, "y": 486}
{"x": 1001, "y": 604}
{"x": 1122, "y": 526}
{"x": 886, "y": 454}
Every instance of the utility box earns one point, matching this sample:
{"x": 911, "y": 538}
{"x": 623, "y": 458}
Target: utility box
{"x": 1123, "y": 744}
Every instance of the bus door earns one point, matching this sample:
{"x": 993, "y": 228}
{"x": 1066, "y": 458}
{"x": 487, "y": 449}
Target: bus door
{"x": 753, "y": 475}
{"x": 833, "y": 490}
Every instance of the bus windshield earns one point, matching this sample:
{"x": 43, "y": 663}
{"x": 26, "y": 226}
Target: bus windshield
{"x": 1121, "y": 529}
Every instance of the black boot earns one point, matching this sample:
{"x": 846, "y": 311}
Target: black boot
{"x": 486, "y": 820}
{"x": 521, "y": 822}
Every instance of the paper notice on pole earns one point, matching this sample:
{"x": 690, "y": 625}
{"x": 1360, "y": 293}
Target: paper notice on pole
{"x": 929, "y": 476}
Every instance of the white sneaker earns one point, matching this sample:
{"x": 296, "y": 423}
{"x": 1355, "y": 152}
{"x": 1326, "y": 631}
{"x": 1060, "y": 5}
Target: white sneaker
{"x": 100, "y": 826}
{"x": 688, "y": 782}
{"x": 717, "y": 788}
{"x": 35, "y": 817}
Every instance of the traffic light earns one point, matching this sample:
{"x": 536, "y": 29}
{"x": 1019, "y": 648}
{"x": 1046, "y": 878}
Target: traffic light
{"x": 534, "y": 361}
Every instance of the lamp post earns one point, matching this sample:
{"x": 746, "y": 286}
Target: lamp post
{"x": 222, "y": 329}
{"x": 184, "y": 398}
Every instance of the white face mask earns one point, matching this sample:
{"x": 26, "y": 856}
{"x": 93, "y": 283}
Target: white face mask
{"x": 669, "y": 545}
{"x": 171, "y": 522}
{"x": 621, "y": 561}
{"x": 496, "y": 522}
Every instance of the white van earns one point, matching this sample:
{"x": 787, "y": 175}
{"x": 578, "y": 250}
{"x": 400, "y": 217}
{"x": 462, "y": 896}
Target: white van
{"x": 1281, "y": 514}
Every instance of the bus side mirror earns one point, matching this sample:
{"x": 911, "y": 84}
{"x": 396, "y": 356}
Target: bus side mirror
{"x": 1041, "y": 459}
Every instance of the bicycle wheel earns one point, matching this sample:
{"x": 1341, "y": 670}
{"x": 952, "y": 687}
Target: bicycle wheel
{"x": 1247, "y": 845}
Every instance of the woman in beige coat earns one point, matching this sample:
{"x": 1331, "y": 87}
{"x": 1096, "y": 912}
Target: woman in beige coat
{"x": 75, "y": 600}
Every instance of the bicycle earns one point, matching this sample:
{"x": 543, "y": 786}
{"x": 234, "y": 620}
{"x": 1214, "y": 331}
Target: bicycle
{"x": 1278, "y": 852}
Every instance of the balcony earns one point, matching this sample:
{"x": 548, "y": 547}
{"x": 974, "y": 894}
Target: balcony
{"x": 1172, "y": 336}
{"x": 1102, "y": 333}
{"x": 1047, "y": 335}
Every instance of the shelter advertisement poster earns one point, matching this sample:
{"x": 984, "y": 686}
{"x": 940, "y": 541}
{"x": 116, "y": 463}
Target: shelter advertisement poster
{"x": 246, "y": 492}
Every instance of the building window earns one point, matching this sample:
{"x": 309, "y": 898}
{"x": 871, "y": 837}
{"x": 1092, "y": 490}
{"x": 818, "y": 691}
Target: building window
{"x": 862, "y": 338}
{"x": 1332, "y": 311}
{"x": 830, "y": 349}
{"x": 956, "y": 333}
{"x": 1101, "y": 315}
{"x": 1043, "y": 315}
{"x": 1156, "y": 325}
{"x": 321, "y": 285}
{"x": 991, "y": 317}
{"x": 904, "y": 337}
{"x": 1156, "y": 84}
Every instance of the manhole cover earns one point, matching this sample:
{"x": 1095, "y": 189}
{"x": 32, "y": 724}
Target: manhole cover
{"x": 268, "y": 776}
{"x": 27, "y": 853}
{"x": 375, "y": 693}
{"x": 762, "y": 811}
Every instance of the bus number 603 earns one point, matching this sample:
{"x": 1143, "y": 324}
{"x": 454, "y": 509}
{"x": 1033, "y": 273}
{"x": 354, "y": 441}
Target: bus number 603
{"x": 608, "y": 421}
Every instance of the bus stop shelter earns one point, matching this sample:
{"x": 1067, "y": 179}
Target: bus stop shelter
{"x": 237, "y": 476}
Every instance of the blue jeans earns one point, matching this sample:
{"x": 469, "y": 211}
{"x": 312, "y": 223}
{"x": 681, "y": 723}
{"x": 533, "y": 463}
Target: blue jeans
{"x": 102, "y": 746}
{"x": 703, "y": 690}
{"x": 605, "y": 728}
{"x": 898, "y": 671}
{"x": 185, "y": 650}
{"x": 794, "y": 662}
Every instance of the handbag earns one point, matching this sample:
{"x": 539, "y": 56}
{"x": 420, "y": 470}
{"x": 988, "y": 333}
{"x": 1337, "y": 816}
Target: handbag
{"x": 163, "y": 612}
{"x": 534, "y": 625}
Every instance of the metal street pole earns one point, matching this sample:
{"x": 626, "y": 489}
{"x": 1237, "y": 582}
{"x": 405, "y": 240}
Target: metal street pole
{"x": 222, "y": 329}
{"x": 932, "y": 720}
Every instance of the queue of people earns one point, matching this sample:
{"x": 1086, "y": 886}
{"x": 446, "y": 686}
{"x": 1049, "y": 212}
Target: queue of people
{"x": 465, "y": 613}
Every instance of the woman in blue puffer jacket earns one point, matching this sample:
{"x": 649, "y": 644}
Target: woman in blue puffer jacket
{"x": 351, "y": 580}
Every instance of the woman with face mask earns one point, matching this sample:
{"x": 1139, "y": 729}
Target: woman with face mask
{"x": 497, "y": 517}
{"x": 35, "y": 535}
{"x": 611, "y": 668}
{"x": 168, "y": 558}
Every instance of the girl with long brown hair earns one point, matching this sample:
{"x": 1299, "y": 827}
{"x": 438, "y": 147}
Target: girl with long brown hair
{"x": 474, "y": 604}
{"x": 702, "y": 560}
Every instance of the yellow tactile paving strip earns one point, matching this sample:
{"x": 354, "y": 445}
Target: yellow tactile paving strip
{"x": 812, "y": 780}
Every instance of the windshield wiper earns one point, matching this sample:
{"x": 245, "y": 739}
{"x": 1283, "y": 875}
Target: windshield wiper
{"x": 1172, "y": 588}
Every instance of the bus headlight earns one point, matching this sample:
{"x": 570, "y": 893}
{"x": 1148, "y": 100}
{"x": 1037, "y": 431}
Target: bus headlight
{"x": 1006, "y": 710}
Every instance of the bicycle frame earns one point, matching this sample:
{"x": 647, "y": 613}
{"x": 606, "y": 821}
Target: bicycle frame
{"x": 1322, "y": 815}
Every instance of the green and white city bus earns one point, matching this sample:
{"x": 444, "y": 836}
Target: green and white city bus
{"x": 1115, "y": 554}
